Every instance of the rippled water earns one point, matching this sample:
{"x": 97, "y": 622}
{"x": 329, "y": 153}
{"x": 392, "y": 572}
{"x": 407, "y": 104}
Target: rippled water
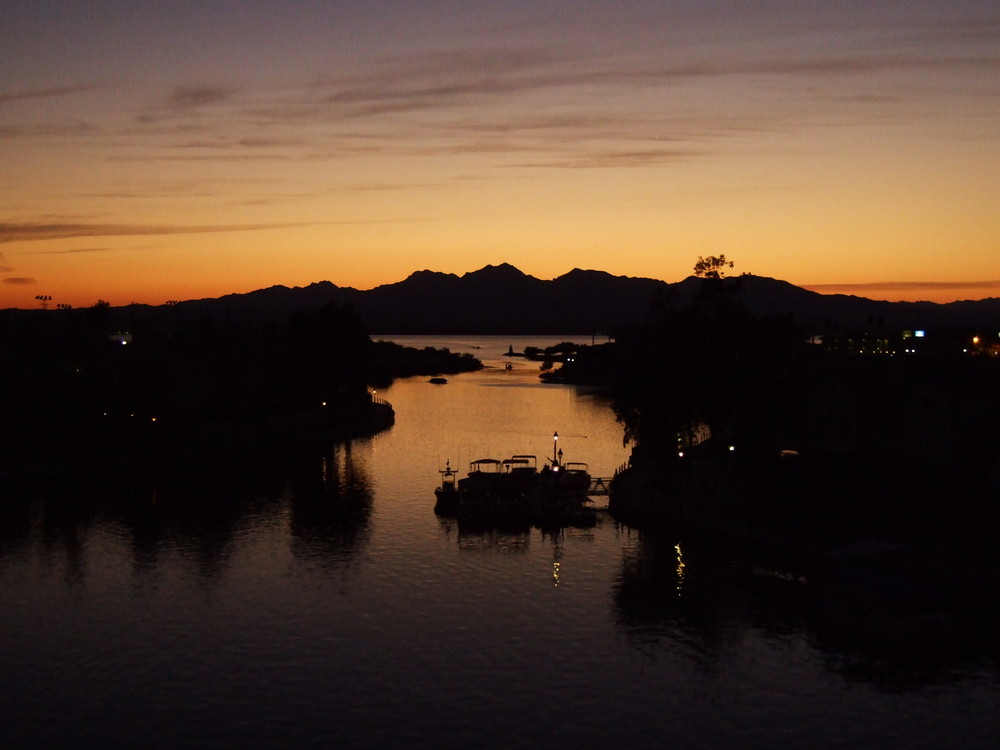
{"x": 310, "y": 597}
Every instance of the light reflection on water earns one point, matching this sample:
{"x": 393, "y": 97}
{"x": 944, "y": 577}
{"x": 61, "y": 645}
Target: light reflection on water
{"x": 314, "y": 599}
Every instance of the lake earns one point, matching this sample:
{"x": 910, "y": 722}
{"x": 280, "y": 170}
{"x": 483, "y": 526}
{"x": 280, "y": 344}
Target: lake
{"x": 307, "y": 596}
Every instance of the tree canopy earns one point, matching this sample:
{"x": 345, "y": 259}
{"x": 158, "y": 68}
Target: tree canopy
{"x": 712, "y": 267}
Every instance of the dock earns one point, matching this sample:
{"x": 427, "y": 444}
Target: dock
{"x": 599, "y": 486}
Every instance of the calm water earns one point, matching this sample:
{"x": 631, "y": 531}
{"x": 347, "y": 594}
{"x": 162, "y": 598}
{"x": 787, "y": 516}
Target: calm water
{"x": 309, "y": 597}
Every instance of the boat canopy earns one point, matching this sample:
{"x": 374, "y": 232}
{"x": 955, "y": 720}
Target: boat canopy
{"x": 485, "y": 464}
{"x": 520, "y": 463}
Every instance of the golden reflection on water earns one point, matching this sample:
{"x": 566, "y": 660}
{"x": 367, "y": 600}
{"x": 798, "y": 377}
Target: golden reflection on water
{"x": 680, "y": 569}
{"x": 331, "y": 577}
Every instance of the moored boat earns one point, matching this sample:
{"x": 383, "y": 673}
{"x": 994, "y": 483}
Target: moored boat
{"x": 447, "y": 492}
{"x": 515, "y": 490}
{"x": 491, "y": 491}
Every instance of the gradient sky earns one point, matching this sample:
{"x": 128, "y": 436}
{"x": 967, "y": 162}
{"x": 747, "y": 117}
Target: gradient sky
{"x": 177, "y": 150}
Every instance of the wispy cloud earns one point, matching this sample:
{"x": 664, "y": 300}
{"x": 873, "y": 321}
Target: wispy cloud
{"x": 186, "y": 97}
{"x": 48, "y": 129}
{"x": 72, "y": 251}
{"x": 176, "y": 108}
{"x": 28, "y": 231}
{"x": 981, "y": 30}
{"x": 834, "y": 65}
{"x": 551, "y": 104}
{"x": 438, "y": 103}
{"x": 596, "y": 159}
{"x": 450, "y": 79}
{"x": 913, "y": 290}
{"x": 19, "y": 280}
{"x": 46, "y": 93}
{"x": 897, "y": 286}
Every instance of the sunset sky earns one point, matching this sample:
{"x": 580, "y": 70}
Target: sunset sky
{"x": 187, "y": 149}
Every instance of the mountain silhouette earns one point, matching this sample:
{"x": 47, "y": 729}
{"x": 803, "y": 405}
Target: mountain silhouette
{"x": 501, "y": 299}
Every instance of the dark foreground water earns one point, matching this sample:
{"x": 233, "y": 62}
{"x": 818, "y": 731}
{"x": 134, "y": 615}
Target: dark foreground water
{"x": 307, "y": 596}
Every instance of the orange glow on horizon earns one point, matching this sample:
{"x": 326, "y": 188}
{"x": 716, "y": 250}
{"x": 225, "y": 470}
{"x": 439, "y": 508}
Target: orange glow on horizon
{"x": 816, "y": 146}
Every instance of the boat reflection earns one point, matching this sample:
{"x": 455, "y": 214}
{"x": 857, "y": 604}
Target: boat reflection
{"x": 508, "y": 541}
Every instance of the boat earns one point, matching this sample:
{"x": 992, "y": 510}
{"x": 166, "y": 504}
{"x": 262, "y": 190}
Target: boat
{"x": 447, "y": 491}
{"x": 574, "y": 478}
{"x": 438, "y": 381}
{"x": 520, "y": 472}
{"x": 487, "y": 493}
{"x": 514, "y": 490}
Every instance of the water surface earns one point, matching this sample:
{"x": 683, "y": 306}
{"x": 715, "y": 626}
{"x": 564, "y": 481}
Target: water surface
{"x": 309, "y": 597}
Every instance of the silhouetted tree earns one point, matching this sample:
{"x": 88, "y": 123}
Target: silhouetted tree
{"x": 329, "y": 349}
{"x": 712, "y": 267}
{"x": 708, "y": 365}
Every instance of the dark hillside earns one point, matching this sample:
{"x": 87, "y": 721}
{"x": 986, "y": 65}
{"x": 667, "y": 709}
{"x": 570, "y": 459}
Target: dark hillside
{"x": 502, "y": 300}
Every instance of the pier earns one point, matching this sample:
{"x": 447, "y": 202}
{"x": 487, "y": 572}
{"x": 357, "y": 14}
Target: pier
{"x": 599, "y": 486}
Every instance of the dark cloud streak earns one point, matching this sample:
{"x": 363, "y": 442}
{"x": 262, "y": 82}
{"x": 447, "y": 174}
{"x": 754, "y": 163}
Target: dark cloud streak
{"x": 454, "y": 100}
{"x": 48, "y": 93}
{"x": 412, "y": 87}
{"x": 49, "y": 129}
{"x": 28, "y": 231}
{"x": 186, "y": 97}
{"x": 617, "y": 159}
{"x": 905, "y": 286}
{"x": 73, "y": 251}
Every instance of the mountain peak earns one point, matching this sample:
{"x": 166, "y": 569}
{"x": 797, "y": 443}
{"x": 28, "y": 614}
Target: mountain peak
{"x": 502, "y": 271}
{"x": 425, "y": 275}
{"x": 580, "y": 273}
{"x": 502, "y": 299}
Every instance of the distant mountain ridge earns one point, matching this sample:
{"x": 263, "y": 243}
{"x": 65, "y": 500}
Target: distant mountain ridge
{"x": 501, "y": 299}
{"x": 497, "y": 299}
